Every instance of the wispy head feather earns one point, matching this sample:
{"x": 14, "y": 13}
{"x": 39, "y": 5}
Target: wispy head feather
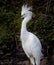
{"x": 26, "y": 11}
{"x": 26, "y": 8}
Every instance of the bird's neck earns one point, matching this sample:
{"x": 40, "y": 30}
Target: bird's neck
{"x": 24, "y": 31}
{"x": 25, "y": 21}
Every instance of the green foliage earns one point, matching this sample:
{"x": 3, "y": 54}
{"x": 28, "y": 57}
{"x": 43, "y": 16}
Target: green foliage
{"x": 41, "y": 25}
{"x": 10, "y": 19}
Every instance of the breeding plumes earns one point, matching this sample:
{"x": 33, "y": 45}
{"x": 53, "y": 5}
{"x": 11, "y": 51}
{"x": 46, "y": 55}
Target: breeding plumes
{"x": 30, "y": 43}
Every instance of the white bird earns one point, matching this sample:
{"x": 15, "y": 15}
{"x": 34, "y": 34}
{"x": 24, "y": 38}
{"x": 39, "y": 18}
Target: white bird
{"x": 30, "y": 43}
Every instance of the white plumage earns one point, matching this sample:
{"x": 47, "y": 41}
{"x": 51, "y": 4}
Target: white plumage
{"x": 30, "y": 43}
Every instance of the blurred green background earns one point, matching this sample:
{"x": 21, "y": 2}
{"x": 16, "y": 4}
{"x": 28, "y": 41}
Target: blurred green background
{"x": 42, "y": 24}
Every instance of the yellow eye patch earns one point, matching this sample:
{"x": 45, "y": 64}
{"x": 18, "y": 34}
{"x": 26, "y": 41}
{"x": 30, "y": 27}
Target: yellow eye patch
{"x": 22, "y": 14}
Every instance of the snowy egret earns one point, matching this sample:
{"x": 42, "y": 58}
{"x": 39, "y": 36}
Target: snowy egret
{"x": 30, "y": 43}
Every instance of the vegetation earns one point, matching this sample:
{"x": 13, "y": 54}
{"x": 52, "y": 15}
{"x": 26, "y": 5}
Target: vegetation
{"x": 41, "y": 25}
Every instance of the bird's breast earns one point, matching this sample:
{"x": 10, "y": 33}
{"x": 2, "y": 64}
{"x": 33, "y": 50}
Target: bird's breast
{"x": 27, "y": 48}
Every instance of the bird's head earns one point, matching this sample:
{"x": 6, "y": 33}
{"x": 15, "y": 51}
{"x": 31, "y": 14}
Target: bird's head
{"x": 26, "y": 11}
